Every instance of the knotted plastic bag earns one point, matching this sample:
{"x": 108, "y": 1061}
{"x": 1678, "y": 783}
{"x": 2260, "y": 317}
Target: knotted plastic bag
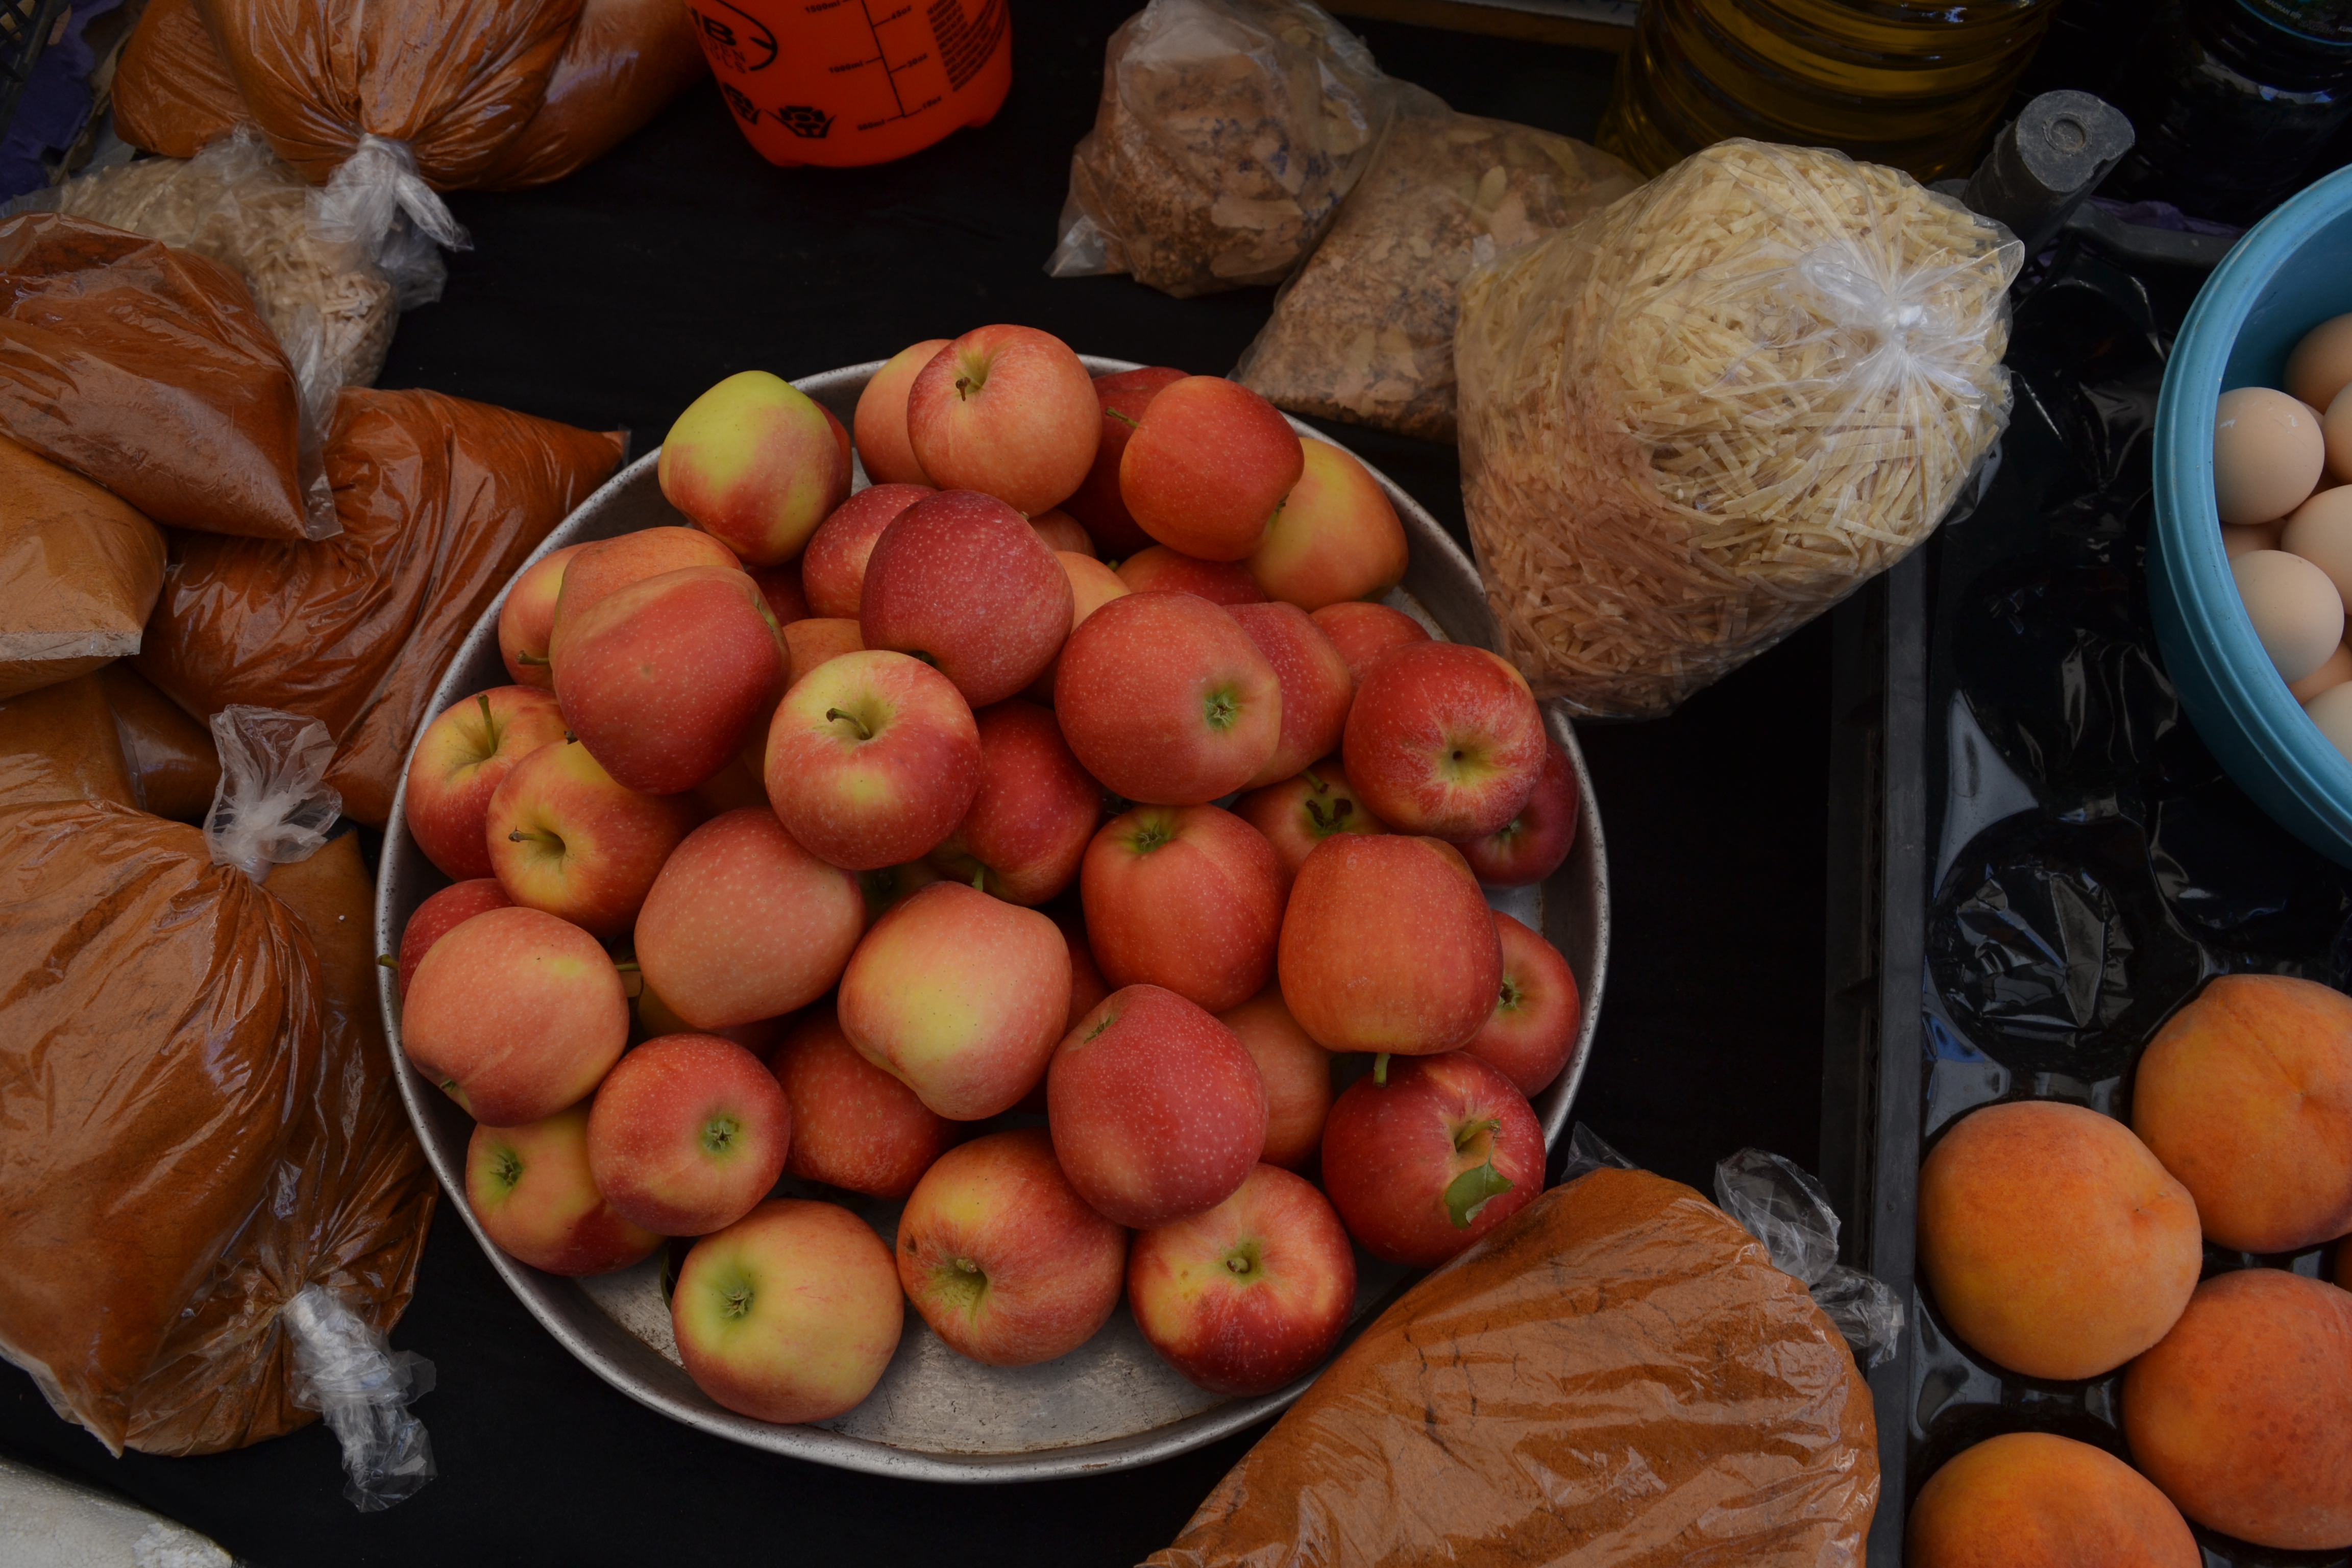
{"x": 80, "y": 572}
{"x": 1707, "y": 413}
{"x": 1617, "y": 1376}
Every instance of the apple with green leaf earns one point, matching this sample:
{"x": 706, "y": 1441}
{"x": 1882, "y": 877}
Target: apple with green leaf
{"x": 1427, "y": 1154}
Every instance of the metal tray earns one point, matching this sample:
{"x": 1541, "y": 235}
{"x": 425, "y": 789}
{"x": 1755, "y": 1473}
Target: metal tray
{"x": 1112, "y": 1405}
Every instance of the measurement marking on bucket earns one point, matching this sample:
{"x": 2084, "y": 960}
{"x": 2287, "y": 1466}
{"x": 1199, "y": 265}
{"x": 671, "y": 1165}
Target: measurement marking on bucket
{"x": 881, "y": 57}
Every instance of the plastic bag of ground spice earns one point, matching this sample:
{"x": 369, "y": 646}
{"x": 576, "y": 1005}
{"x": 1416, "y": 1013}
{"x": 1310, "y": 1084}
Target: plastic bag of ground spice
{"x": 1228, "y": 134}
{"x": 59, "y": 744}
{"x": 440, "y": 500}
{"x": 1364, "y": 331}
{"x": 1710, "y": 411}
{"x": 1618, "y": 1376}
{"x": 174, "y": 767}
{"x": 148, "y": 370}
{"x": 80, "y": 571}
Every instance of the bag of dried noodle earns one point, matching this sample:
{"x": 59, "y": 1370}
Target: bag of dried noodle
{"x": 1709, "y": 412}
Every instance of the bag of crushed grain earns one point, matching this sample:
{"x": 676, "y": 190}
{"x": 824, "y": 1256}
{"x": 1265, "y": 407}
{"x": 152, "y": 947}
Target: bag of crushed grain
{"x": 1229, "y": 132}
{"x": 1364, "y": 331}
{"x": 1709, "y": 412}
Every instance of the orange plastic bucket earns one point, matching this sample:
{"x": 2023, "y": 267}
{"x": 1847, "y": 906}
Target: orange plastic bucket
{"x": 844, "y": 82}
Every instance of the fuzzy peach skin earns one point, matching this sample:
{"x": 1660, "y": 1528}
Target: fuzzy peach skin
{"x": 2053, "y": 1239}
{"x": 2035, "y": 1499}
{"x": 517, "y": 1014}
{"x": 756, "y": 463}
{"x": 532, "y": 1191}
{"x": 2246, "y": 1096}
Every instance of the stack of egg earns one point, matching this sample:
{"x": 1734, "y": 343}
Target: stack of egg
{"x": 2283, "y": 485}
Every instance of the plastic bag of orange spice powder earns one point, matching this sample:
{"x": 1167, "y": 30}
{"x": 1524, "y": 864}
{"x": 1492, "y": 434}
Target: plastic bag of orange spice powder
{"x": 1619, "y": 1376}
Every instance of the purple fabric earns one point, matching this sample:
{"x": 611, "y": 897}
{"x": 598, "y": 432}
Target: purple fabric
{"x": 55, "y": 106}
{"x": 2163, "y": 214}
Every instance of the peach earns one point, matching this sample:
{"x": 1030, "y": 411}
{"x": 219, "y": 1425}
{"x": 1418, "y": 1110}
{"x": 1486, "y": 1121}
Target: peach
{"x": 1165, "y": 698}
{"x": 880, "y": 421}
{"x": 1364, "y": 631}
{"x": 527, "y": 619}
{"x": 517, "y": 1014}
{"x": 854, "y": 1125}
{"x": 1296, "y": 1073}
{"x": 1123, "y": 396}
{"x": 2053, "y": 1241}
{"x": 1387, "y": 946}
{"x": 757, "y": 464}
{"x": 833, "y": 570}
{"x": 532, "y": 1194}
{"x": 960, "y": 581}
{"x": 460, "y": 760}
{"x": 2246, "y": 1096}
{"x": 1208, "y": 464}
{"x": 2035, "y": 1499}
{"x": 1009, "y": 412}
{"x": 1444, "y": 739}
{"x": 1334, "y": 538}
{"x": 1317, "y": 690}
{"x": 1027, "y": 827}
{"x": 1188, "y": 898}
{"x": 872, "y": 759}
{"x": 438, "y": 916}
{"x": 1161, "y": 570}
{"x": 1537, "y": 1015}
{"x": 1300, "y": 813}
{"x": 566, "y": 837}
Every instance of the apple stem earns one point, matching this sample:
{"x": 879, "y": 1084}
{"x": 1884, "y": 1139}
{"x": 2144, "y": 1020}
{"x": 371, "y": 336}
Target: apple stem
{"x": 524, "y": 655}
{"x": 489, "y": 722}
{"x": 1313, "y": 782}
{"x": 627, "y": 966}
{"x": 387, "y": 961}
{"x": 863, "y": 732}
{"x": 1123, "y": 419}
{"x": 1380, "y": 1069}
{"x": 980, "y": 879}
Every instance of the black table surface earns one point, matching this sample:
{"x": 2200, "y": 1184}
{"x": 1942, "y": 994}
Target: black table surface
{"x": 613, "y": 297}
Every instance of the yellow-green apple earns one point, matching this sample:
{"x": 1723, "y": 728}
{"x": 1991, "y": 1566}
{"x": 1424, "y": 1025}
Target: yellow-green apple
{"x": 1155, "y": 1108}
{"x": 891, "y": 886}
{"x": 781, "y": 590}
{"x": 1363, "y": 631}
{"x": 654, "y": 1017}
{"x": 854, "y": 1125}
{"x": 1535, "y": 843}
{"x": 961, "y": 997}
{"x": 1300, "y": 813}
{"x": 1165, "y": 698}
{"x": 756, "y": 464}
{"x": 1158, "y": 569}
{"x": 662, "y": 679}
{"x": 532, "y": 1194}
{"x": 1208, "y": 464}
{"x": 1002, "y": 1256}
{"x": 517, "y": 1014}
{"x": 1092, "y": 585}
{"x": 687, "y": 1133}
{"x": 1315, "y": 687}
{"x": 791, "y": 1313}
{"x": 1185, "y": 897}
{"x": 1023, "y": 834}
{"x": 458, "y": 763}
{"x": 1537, "y": 1012}
{"x": 566, "y": 838}
{"x": 1122, "y": 396}
{"x": 1296, "y": 1073}
{"x": 834, "y": 568}
{"x": 1387, "y": 946}
{"x": 1444, "y": 739}
{"x": 1250, "y": 1296}
{"x": 1334, "y": 538}
{"x": 881, "y": 418}
{"x": 1007, "y": 411}
{"x": 1425, "y": 1164}
{"x": 743, "y": 923}
{"x": 609, "y": 565}
{"x": 527, "y": 619}
{"x": 815, "y": 641}
{"x": 1061, "y": 532}
{"x": 439, "y": 915}
{"x": 963, "y": 582}
{"x": 873, "y": 759}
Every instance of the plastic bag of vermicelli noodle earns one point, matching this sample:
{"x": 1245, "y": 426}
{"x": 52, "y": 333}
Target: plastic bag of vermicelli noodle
{"x": 1713, "y": 409}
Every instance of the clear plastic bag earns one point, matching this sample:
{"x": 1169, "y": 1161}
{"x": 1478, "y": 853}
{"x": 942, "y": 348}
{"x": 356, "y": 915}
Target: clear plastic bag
{"x": 80, "y": 572}
{"x": 174, "y": 766}
{"x": 1707, "y": 413}
{"x": 344, "y": 1369}
{"x": 1229, "y": 132}
{"x": 1787, "y": 1210}
{"x": 1364, "y": 329}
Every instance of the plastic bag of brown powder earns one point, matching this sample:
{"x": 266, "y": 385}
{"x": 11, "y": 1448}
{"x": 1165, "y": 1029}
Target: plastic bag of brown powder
{"x": 174, "y": 767}
{"x": 80, "y": 572}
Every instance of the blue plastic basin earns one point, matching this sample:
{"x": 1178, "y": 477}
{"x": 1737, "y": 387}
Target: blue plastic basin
{"x": 2290, "y": 273}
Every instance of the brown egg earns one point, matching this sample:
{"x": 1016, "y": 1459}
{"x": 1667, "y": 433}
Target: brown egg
{"x": 2335, "y": 672}
{"x": 2236, "y": 541}
{"x": 2335, "y": 433}
{"x": 2296, "y": 611}
{"x": 2320, "y": 531}
{"x": 2267, "y": 454}
{"x": 2321, "y": 365}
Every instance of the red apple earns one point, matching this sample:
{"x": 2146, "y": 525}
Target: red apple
{"x": 1185, "y": 897}
{"x": 960, "y": 997}
{"x": 1535, "y": 843}
{"x": 440, "y": 914}
{"x": 1161, "y": 570}
{"x": 1092, "y": 585}
{"x": 817, "y": 640}
{"x": 1444, "y": 739}
{"x": 781, "y": 590}
{"x": 841, "y": 441}
{"x": 1317, "y": 688}
{"x": 687, "y": 1133}
{"x": 1334, "y": 538}
{"x": 873, "y": 759}
{"x": 517, "y": 1014}
{"x": 891, "y": 886}
{"x": 609, "y": 565}
{"x": 527, "y": 619}
{"x": 756, "y": 463}
{"x": 1156, "y": 1110}
{"x": 1536, "y": 1012}
{"x": 1296, "y": 1073}
{"x": 881, "y": 416}
{"x": 1250, "y": 1296}
{"x": 532, "y": 1194}
{"x": 1060, "y": 531}
{"x": 1165, "y": 698}
{"x": 744, "y": 924}
{"x": 1028, "y": 827}
{"x": 656, "y": 1017}
{"x": 1387, "y": 945}
{"x": 1007, "y": 411}
{"x": 566, "y": 838}
{"x": 1122, "y": 396}
{"x": 1209, "y": 462}
{"x": 734, "y": 787}
{"x": 854, "y": 1125}
{"x": 1003, "y": 1258}
{"x": 662, "y": 679}
{"x": 834, "y": 569}
{"x": 1362, "y": 631}
{"x": 1300, "y": 813}
{"x": 1087, "y": 987}
{"x": 963, "y": 582}
{"x": 791, "y": 1313}
{"x": 1425, "y": 1165}
{"x": 460, "y": 760}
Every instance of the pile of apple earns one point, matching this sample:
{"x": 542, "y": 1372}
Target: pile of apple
{"x": 810, "y": 767}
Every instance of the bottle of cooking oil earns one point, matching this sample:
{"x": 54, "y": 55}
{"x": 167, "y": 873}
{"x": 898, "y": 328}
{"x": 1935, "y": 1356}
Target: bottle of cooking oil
{"x": 1919, "y": 84}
